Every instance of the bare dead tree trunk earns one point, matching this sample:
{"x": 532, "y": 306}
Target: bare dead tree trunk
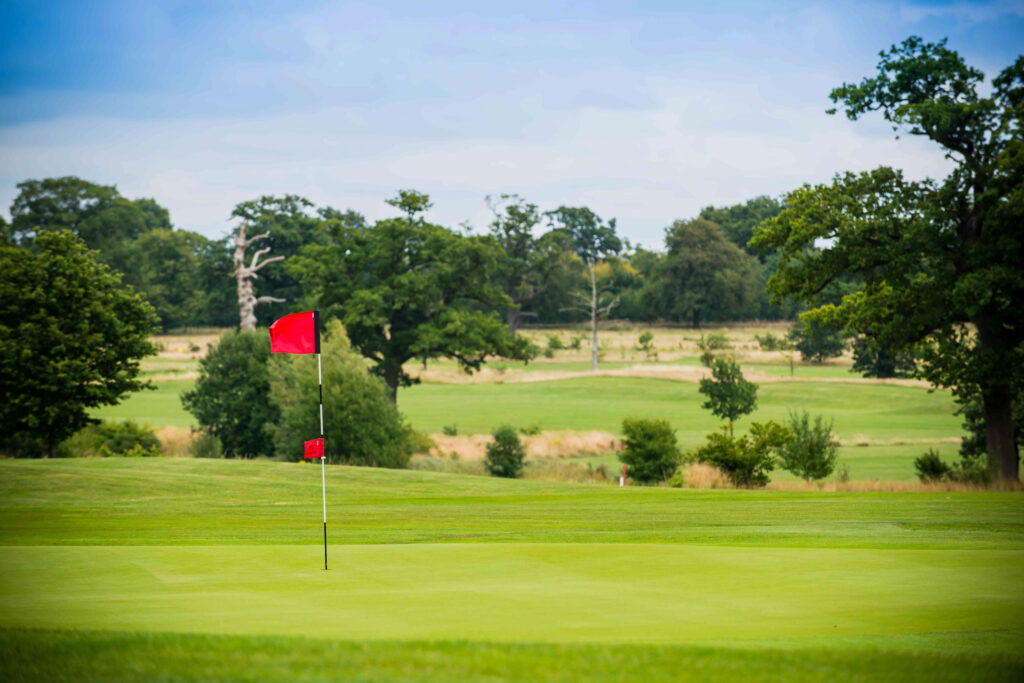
{"x": 593, "y": 319}
{"x": 245, "y": 274}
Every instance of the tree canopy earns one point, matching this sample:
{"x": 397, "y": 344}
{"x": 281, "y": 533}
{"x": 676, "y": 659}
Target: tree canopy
{"x": 940, "y": 261}
{"x": 405, "y": 288}
{"x": 71, "y": 337}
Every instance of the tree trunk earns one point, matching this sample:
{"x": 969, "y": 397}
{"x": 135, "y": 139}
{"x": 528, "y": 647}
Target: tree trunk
{"x": 997, "y": 406}
{"x": 593, "y": 320}
{"x": 391, "y": 374}
{"x": 514, "y": 320}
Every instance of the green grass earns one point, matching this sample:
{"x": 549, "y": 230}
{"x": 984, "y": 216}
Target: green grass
{"x": 185, "y": 568}
{"x": 160, "y": 407}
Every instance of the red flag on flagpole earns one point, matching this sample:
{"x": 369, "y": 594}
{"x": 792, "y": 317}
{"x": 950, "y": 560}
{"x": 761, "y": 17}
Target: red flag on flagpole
{"x": 296, "y": 333}
{"x": 314, "y": 448}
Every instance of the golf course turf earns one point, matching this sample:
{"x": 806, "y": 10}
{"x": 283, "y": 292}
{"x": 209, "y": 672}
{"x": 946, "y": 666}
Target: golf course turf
{"x": 166, "y": 568}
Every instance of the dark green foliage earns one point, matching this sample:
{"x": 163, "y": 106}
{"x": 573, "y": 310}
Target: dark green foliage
{"x": 112, "y": 439}
{"x": 974, "y": 444}
{"x": 813, "y": 450}
{"x": 645, "y": 343}
{"x": 555, "y": 343}
{"x": 702, "y": 276}
{"x": 450, "y": 430}
{"x": 730, "y": 396}
{"x": 872, "y": 359}
{"x": 715, "y": 341}
{"x": 505, "y": 455}
{"x": 524, "y": 269}
{"x": 231, "y": 398}
{"x": 164, "y": 264}
{"x": 362, "y": 426}
{"x": 815, "y": 341}
{"x": 71, "y": 338}
{"x": 408, "y": 289}
{"x": 738, "y": 221}
{"x": 748, "y": 459}
{"x": 651, "y": 452}
{"x": 938, "y": 262}
{"x": 930, "y": 467}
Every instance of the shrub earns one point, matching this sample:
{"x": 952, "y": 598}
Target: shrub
{"x": 555, "y": 342}
{"x": 575, "y": 341}
{"x": 715, "y": 341}
{"x": 813, "y": 451}
{"x": 873, "y": 359}
{"x": 107, "y": 439}
{"x": 362, "y": 424}
{"x": 530, "y": 430}
{"x": 769, "y": 342}
{"x": 205, "y": 445}
{"x": 505, "y": 455}
{"x": 645, "y": 343}
{"x": 231, "y": 398}
{"x": 651, "y": 452}
{"x": 450, "y": 430}
{"x": 747, "y": 459}
{"x": 930, "y": 466}
{"x": 420, "y": 442}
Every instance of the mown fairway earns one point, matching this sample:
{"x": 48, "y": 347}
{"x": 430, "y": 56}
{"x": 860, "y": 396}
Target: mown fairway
{"x": 186, "y": 567}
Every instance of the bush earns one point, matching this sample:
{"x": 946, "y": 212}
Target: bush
{"x": 362, "y": 424}
{"x": 813, "y": 451}
{"x": 716, "y": 341}
{"x": 420, "y": 442}
{"x": 125, "y": 439}
{"x": 575, "y": 341}
{"x": 816, "y": 342}
{"x": 769, "y": 342}
{"x": 651, "y": 452}
{"x": 205, "y": 445}
{"x": 555, "y": 343}
{"x": 450, "y": 430}
{"x": 930, "y": 466}
{"x": 872, "y": 359}
{"x": 505, "y": 455}
{"x": 530, "y": 430}
{"x": 747, "y": 459}
{"x": 231, "y": 399}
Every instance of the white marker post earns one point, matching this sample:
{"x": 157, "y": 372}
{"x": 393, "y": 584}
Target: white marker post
{"x": 323, "y": 455}
{"x": 622, "y": 479}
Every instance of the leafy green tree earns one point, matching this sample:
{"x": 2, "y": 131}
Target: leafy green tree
{"x": 940, "y": 261}
{"x": 872, "y": 359}
{"x": 651, "y": 451}
{"x": 164, "y": 265}
{"x": 812, "y": 452}
{"x": 156, "y": 216}
{"x": 815, "y": 341}
{"x": 506, "y": 454}
{"x": 739, "y": 220}
{"x": 231, "y": 398}
{"x": 406, "y": 289}
{"x": 702, "y": 275}
{"x": 362, "y": 426}
{"x": 748, "y": 459}
{"x": 592, "y": 239}
{"x": 71, "y": 338}
{"x": 517, "y": 271}
{"x": 730, "y": 396}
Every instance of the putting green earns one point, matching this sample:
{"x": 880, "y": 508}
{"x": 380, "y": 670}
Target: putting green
{"x": 548, "y": 592}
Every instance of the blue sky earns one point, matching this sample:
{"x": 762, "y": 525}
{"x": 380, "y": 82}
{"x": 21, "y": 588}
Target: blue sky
{"x": 643, "y": 111}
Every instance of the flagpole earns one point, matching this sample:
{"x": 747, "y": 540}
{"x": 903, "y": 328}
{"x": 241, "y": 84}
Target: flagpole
{"x": 323, "y": 453}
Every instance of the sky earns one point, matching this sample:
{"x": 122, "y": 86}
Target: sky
{"x": 643, "y": 111}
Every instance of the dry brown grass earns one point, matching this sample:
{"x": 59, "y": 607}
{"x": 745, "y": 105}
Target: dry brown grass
{"x": 175, "y": 441}
{"x": 558, "y": 444}
{"x": 699, "y": 475}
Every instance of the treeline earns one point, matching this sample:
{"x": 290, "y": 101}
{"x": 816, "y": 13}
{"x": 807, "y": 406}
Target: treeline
{"x": 705, "y": 273}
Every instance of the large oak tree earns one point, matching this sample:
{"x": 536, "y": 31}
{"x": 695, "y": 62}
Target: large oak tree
{"x": 941, "y": 262}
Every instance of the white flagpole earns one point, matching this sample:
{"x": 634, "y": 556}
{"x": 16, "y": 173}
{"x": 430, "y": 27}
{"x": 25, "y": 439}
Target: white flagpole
{"x": 320, "y": 381}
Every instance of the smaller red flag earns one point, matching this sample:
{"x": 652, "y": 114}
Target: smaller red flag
{"x": 314, "y": 448}
{"x": 296, "y": 333}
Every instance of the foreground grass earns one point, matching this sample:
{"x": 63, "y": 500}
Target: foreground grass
{"x": 181, "y": 569}
{"x": 104, "y": 655}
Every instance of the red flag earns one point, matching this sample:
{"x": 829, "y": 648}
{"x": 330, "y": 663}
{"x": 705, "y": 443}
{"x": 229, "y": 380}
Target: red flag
{"x": 314, "y": 448}
{"x": 296, "y": 333}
